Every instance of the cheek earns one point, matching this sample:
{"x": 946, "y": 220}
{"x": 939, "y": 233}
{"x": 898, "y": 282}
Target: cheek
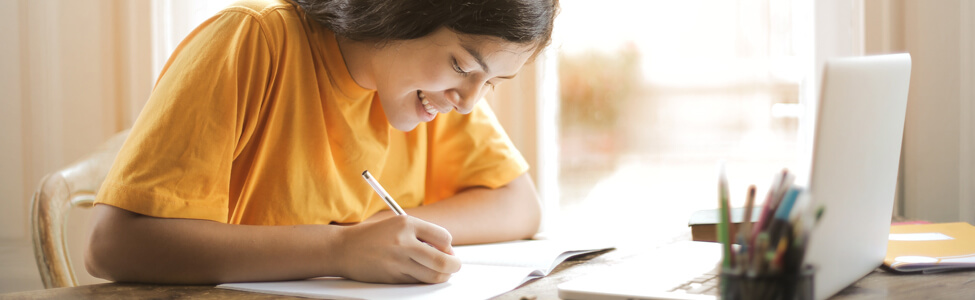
{"x": 484, "y": 91}
{"x": 435, "y": 77}
{"x": 421, "y": 74}
{"x": 403, "y": 83}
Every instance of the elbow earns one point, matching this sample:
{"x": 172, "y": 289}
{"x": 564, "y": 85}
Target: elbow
{"x": 531, "y": 208}
{"x": 534, "y": 218}
{"x": 96, "y": 265}
{"x": 103, "y": 258}
{"x": 97, "y": 258}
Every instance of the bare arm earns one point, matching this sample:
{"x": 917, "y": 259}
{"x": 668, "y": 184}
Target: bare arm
{"x": 126, "y": 246}
{"x": 482, "y": 215}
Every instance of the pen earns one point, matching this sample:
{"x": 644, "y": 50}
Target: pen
{"x": 767, "y": 210}
{"x": 746, "y": 224}
{"x": 743, "y": 238}
{"x": 776, "y": 263}
{"x": 724, "y": 225}
{"x": 382, "y": 193}
{"x": 780, "y": 223}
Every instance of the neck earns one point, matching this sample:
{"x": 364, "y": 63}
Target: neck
{"x": 357, "y": 57}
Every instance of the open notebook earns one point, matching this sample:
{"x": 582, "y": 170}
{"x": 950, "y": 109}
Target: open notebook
{"x": 487, "y": 271}
{"x": 931, "y": 247}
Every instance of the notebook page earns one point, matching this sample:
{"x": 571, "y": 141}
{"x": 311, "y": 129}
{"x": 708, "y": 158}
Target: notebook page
{"x": 471, "y": 282}
{"x": 539, "y": 255}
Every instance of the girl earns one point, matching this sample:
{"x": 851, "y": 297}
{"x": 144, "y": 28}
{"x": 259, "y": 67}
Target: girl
{"x": 245, "y": 163}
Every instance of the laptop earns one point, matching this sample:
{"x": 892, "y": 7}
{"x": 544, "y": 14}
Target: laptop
{"x": 856, "y": 153}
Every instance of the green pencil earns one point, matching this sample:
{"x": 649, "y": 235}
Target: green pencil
{"x": 724, "y": 228}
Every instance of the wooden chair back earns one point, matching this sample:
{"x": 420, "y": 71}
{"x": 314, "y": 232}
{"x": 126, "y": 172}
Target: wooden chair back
{"x": 72, "y": 187}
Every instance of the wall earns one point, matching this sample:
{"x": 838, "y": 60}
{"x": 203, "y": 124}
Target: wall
{"x": 13, "y": 219}
{"x": 938, "y": 159}
{"x": 74, "y": 72}
{"x": 938, "y": 146}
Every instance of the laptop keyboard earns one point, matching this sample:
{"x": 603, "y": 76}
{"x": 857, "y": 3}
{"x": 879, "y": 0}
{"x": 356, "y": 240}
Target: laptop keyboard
{"x": 704, "y": 284}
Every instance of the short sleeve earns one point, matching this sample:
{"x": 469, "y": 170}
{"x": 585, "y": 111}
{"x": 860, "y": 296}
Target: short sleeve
{"x": 177, "y": 161}
{"x": 470, "y": 151}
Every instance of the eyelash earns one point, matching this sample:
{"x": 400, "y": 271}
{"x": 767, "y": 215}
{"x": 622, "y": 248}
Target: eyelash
{"x": 458, "y": 69}
{"x": 463, "y": 73}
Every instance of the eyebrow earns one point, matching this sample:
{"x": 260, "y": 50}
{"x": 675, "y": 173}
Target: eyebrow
{"x": 477, "y": 57}
{"x": 480, "y": 61}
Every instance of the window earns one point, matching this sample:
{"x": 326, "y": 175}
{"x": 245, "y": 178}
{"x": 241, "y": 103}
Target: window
{"x": 653, "y": 94}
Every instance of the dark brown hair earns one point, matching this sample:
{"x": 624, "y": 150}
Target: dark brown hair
{"x": 518, "y": 21}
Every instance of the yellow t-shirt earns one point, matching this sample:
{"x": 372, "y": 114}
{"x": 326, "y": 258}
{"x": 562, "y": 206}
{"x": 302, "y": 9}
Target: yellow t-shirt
{"x": 256, "y": 120}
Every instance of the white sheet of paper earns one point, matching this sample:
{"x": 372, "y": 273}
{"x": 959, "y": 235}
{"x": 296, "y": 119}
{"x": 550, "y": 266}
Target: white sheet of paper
{"x": 488, "y": 270}
{"x": 540, "y": 255}
{"x": 471, "y": 282}
{"x": 925, "y": 236}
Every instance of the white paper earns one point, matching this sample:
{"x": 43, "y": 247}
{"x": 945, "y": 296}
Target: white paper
{"x": 487, "y": 271}
{"x": 540, "y": 255}
{"x": 471, "y": 282}
{"x": 914, "y": 237}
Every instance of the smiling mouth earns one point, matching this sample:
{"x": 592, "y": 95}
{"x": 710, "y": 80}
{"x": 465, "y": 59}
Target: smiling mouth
{"x": 426, "y": 103}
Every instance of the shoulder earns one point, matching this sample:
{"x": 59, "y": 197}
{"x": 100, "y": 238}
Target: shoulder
{"x": 259, "y": 9}
{"x": 274, "y": 22}
{"x": 274, "y": 15}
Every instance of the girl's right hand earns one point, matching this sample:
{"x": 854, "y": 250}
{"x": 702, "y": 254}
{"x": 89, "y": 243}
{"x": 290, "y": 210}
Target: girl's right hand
{"x": 399, "y": 249}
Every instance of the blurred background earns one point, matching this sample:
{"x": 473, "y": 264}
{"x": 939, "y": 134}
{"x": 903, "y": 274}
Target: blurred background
{"x": 623, "y": 119}
{"x": 654, "y": 93}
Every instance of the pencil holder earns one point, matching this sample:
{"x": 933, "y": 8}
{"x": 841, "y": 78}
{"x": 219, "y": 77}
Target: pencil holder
{"x": 784, "y": 286}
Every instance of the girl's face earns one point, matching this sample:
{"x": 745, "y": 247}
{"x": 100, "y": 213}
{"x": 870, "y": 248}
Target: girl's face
{"x": 420, "y": 78}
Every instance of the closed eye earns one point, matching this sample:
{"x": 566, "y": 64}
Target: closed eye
{"x": 453, "y": 62}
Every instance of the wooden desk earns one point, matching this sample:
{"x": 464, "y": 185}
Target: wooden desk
{"x": 877, "y": 285}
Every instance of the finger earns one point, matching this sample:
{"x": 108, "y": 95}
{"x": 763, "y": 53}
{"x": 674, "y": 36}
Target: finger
{"x": 424, "y": 274}
{"x": 433, "y": 259}
{"x": 398, "y": 268}
{"x": 434, "y": 235}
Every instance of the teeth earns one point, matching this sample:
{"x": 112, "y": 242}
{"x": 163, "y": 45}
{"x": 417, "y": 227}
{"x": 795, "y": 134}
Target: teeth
{"x": 426, "y": 105}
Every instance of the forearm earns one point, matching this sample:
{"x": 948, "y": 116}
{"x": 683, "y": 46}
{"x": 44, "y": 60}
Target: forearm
{"x": 130, "y": 247}
{"x": 482, "y": 215}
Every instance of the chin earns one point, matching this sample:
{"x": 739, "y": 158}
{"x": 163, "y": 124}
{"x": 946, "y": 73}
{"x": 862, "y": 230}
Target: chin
{"x": 404, "y": 126}
{"x": 403, "y": 121}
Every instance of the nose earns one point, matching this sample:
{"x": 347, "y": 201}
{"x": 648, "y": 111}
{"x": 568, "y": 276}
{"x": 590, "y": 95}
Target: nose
{"x": 464, "y": 99}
